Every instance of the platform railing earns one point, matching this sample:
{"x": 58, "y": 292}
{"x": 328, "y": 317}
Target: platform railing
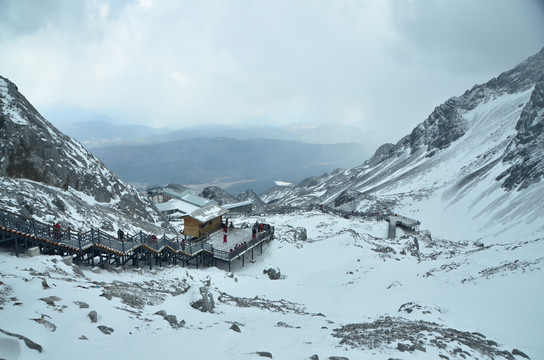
{"x": 81, "y": 241}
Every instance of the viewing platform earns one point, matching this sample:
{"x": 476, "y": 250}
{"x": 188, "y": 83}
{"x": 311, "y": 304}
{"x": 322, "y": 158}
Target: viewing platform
{"x": 239, "y": 242}
{"x": 97, "y": 247}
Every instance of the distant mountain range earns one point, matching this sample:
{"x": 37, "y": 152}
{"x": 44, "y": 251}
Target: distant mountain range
{"x": 235, "y": 157}
{"x": 103, "y": 131}
{"x": 232, "y": 164}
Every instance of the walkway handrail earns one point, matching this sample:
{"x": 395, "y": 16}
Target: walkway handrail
{"x": 81, "y": 241}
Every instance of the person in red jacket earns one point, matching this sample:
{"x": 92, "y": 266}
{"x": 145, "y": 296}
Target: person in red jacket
{"x": 56, "y": 231}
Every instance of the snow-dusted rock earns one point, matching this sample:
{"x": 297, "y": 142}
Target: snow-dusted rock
{"x": 206, "y": 303}
{"x": 273, "y": 273}
{"x": 93, "y": 316}
{"x": 300, "y": 234}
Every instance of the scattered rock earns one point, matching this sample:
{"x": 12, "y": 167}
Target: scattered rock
{"x": 282, "y": 306}
{"x": 106, "y": 330}
{"x": 140, "y": 294}
{"x": 172, "y": 319}
{"x": 300, "y": 234}
{"x": 314, "y": 357}
{"x": 93, "y": 316}
{"x": 47, "y": 323}
{"x": 107, "y": 295}
{"x": 394, "y": 284}
{"x": 384, "y": 249}
{"x": 81, "y": 304}
{"x": 419, "y": 307}
{"x": 273, "y": 274}
{"x": 29, "y": 343}
{"x": 386, "y": 331}
{"x": 264, "y": 354}
{"x": 520, "y": 353}
{"x": 49, "y": 300}
{"x": 83, "y": 337}
{"x": 338, "y": 358}
{"x": 206, "y": 304}
{"x": 77, "y": 271}
{"x": 236, "y": 328}
{"x": 45, "y": 285}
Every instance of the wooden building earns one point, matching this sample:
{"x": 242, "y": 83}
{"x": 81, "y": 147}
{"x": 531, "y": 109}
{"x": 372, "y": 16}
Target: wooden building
{"x": 204, "y": 221}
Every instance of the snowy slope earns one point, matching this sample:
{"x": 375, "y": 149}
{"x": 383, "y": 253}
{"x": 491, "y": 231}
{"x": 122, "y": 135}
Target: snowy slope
{"x": 50, "y": 177}
{"x": 472, "y": 170}
{"x": 344, "y": 292}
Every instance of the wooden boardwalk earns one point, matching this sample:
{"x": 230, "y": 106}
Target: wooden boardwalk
{"x": 96, "y": 247}
{"x": 239, "y": 242}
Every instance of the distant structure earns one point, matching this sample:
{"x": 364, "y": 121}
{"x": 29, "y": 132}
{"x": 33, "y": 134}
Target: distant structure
{"x": 240, "y": 207}
{"x": 406, "y": 222}
{"x": 201, "y": 216}
{"x": 177, "y": 201}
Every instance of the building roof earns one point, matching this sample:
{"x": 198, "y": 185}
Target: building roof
{"x": 238, "y": 204}
{"x": 175, "y": 204}
{"x": 178, "y": 191}
{"x": 197, "y": 200}
{"x": 208, "y": 213}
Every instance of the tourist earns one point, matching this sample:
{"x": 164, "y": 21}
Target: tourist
{"x": 120, "y": 235}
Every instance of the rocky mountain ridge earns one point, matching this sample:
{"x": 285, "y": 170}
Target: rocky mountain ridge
{"x": 223, "y": 197}
{"x": 476, "y": 159}
{"x": 51, "y": 177}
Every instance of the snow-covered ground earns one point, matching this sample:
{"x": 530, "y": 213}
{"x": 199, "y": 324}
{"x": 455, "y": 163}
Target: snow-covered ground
{"x": 346, "y": 291}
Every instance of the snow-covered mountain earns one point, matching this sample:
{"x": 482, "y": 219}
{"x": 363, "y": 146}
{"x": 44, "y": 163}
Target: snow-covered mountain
{"x": 222, "y": 197}
{"x": 341, "y": 289}
{"x": 258, "y": 204}
{"x": 219, "y": 195}
{"x": 50, "y": 177}
{"x": 475, "y": 162}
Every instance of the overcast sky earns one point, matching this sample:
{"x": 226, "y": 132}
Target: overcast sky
{"x": 379, "y": 65}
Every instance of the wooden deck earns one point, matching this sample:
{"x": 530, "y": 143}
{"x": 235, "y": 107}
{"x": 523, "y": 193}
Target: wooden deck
{"x": 24, "y": 232}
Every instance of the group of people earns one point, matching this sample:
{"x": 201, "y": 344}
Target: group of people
{"x": 239, "y": 247}
{"x": 256, "y": 227}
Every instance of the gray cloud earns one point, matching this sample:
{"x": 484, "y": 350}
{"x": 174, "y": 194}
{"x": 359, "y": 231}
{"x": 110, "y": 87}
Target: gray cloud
{"x": 380, "y": 65}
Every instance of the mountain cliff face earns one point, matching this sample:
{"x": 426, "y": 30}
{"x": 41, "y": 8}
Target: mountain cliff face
{"x": 49, "y": 176}
{"x": 476, "y": 160}
{"x": 222, "y": 197}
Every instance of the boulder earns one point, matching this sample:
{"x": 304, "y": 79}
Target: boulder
{"x": 519, "y": 353}
{"x": 273, "y": 273}
{"x": 300, "y": 234}
{"x": 206, "y": 304}
{"x": 93, "y": 316}
{"x": 106, "y": 330}
{"x": 264, "y": 354}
